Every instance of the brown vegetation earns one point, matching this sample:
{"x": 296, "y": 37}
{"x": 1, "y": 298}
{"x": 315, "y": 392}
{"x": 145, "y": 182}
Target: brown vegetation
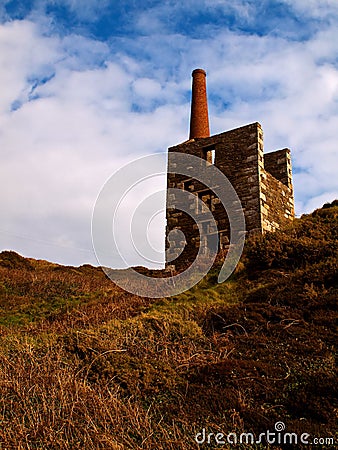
{"x": 84, "y": 365}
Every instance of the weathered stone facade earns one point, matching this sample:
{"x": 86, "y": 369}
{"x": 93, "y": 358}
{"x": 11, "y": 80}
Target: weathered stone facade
{"x": 263, "y": 184}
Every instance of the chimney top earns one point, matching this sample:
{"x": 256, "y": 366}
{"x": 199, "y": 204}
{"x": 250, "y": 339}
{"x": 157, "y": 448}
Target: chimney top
{"x": 198, "y": 71}
{"x": 199, "y": 118}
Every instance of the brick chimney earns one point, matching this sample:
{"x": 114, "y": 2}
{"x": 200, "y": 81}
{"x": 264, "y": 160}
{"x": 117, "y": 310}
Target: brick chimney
{"x": 199, "y": 119}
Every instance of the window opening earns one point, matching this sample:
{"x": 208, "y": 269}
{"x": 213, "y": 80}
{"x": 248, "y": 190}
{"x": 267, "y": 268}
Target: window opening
{"x": 209, "y": 155}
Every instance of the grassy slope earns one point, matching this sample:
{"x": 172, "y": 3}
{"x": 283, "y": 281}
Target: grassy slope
{"x": 85, "y": 365}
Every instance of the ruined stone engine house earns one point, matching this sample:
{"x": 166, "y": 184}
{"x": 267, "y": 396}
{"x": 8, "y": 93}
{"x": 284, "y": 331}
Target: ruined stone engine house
{"x": 263, "y": 182}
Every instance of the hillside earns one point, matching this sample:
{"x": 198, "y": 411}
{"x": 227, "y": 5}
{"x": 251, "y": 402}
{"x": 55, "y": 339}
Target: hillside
{"x": 84, "y": 365}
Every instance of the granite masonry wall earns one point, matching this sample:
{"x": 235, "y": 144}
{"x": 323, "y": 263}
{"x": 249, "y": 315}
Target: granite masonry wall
{"x": 278, "y": 164}
{"x": 277, "y": 206}
{"x": 262, "y": 182}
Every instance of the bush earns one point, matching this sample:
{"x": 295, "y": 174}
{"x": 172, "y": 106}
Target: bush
{"x": 309, "y": 240}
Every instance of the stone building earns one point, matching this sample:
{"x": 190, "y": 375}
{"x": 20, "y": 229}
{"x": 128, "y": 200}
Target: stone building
{"x": 263, "y": 182}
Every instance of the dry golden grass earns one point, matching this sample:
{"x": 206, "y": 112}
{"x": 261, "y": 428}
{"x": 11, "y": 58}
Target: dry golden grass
{"x": 66, "y": 384}
{"x": 84, "y": 365}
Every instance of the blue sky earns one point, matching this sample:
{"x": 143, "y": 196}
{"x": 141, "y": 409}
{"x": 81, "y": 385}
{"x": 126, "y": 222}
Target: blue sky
{"x": 89, "y": 85}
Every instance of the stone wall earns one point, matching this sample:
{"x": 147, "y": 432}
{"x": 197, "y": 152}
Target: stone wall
{"x": 277, "y": 206}
{"x": 239, "y": 154}
{"x": 262, "y": 182}
{"x": 278, "y": 164}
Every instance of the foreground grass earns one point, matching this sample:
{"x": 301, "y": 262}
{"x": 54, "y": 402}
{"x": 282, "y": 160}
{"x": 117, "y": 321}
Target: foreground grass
{"x": 85, "y": 365}
{"x": 69, "y": 381}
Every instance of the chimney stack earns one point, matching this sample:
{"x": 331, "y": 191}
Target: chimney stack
{"x": 199, "y": 119}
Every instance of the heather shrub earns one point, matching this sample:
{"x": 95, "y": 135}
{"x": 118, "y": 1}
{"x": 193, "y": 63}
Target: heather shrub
{"x": 307, "y": 241}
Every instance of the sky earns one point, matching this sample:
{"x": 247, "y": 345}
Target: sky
{"x": 88, "y": 86}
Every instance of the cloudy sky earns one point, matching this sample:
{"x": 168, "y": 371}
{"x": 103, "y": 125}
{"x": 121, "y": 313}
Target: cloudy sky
{"x": 88, "y": 85}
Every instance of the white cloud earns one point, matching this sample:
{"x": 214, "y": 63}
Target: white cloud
{"x": 314, "y": 8}
{"x": 23, "y": 54}
{"x": 58, "y": 148}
